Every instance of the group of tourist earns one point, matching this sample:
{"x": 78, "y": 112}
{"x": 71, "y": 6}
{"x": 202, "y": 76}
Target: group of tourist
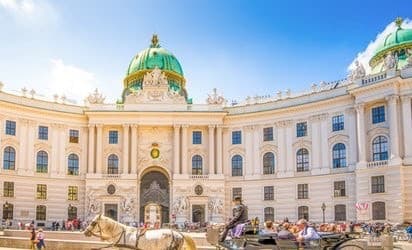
{"x": 37, "y": 239}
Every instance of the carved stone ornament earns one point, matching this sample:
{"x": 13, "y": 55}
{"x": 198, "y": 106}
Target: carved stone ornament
{"x": 180, "y": 205}
{"x": 95, "y": 98}
{"x": 409, "y": 61}
{"x": 215, "y": 98}
{"x": 216, "y": 205}
{"x": 389, "y": 61}
{"x": 93, "y": 206}
{"x": 358, "y": 72}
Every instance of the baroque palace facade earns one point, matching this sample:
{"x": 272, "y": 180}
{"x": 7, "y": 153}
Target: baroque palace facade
{"x": 156, "y": 157}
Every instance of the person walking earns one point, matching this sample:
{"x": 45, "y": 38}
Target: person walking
{"x": 33, "y": 239}
{"x": 40, "y": 240}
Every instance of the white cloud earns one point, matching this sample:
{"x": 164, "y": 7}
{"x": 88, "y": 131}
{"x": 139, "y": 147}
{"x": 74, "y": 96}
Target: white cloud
{"x": 73, "y": 82}
{"x": 30, "y": 11}
{"x": 364, "y": 56}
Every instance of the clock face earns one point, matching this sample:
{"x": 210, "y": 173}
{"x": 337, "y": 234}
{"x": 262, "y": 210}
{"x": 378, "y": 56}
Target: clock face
{"x": 199, "y": 190}
{"x": 111, "y": 189}
{"x": 155, "y": 153}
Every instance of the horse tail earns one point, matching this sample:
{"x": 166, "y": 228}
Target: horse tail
{"x": 189, "y": 243}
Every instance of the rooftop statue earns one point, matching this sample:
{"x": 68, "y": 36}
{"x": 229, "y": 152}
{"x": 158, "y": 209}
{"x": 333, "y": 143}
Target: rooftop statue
{"x": 358, "y": 72}
{"x": 215, "y": 98}
{"x": 389, "y": 61}
{"x": 409, "y": 60}
{"x": 95, "y": 98}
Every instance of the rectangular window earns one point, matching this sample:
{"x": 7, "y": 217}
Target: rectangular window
{"x": 236, "y": 192}
{"x": 197, "y": 137}
{"x": 301, "y": 129}
{"x": 40, "y": 212}
{"x": 378, "y": 184}
{"x": 268, "y": 134}
{"x": 43, "y": 133}
{"x": 340, "y": 212}
{"x": 41, "y": 192}
{"x": 378, "y": 114}
{"x": 339, "y": 189}
{"x": 10, "y": 127}
{"x": 303, "y": 191}
{"x": 268, "y": 193}
{"x": 74, "y": 136}
{"x": 113, "y": 137}
{"x": 338, "y": 123}
{"x": 73, "y": 193}
{"x": 236, "y": 137}
{"x": 8, "y": 189}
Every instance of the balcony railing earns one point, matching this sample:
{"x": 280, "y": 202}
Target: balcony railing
{"x": 111, "y": 176}
{"x": 199, "y": 177}
{"x": 376, "y": 164}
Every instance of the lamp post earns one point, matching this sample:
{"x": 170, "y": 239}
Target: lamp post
{"x": 323, "y": 207}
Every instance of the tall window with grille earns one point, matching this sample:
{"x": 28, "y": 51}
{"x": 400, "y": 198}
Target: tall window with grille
{"x": 378, "y": 114}
{"x": 269, "y": 163}
{"x": 40, "y": 212}
{"x": 237, "y": 137}
{"x": 269, "y": 214}
{"x": 303, "y": 212}
{"x": 268, "y": 134}
{"x": 339, "y": 189}
{"x": 8, "y": 211}
{"x": 42, "y": 162}
{"x": 73, "y": 192}
{"x": 72, "y": 212}
{"x": 113, "y": 137}
{"x": 268, "y": 193}
{"x": 10, "y": 127}
{"x": 236, "y": 192}
{"x": 41, "y": 192}
{"x": 74, "y": 136}
{"x": 378, "y": 210}
{"x": 8, "y": 189}
{"x": 237, "y": 165}
{"x": 43, "y": 133}
{"x": 113, "y": 164}
{"x": 9, "y": 158}
{"x": 197, "y": 165}
{"x": 73, "y": 164}
{"x": 340, "y": 212}
{"x": 197, "y": 137}
{"x": 380, "y": 148}
{"x": 303, "y": 191}
{"x": 338, "y": 123}
{"x": 302, "y": 160}
{"x": 339, "y": 155}
{"x": 301, "y": 129}
{"x": 378, "y": 184}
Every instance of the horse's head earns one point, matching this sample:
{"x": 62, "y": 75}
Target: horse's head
{"x": 93, "y": 228}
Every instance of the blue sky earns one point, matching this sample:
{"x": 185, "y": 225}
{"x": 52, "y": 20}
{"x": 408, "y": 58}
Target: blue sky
{"x": 240, "y": 47}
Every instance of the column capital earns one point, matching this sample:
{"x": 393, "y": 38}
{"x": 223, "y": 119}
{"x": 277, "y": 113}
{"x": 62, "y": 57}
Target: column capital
{"x": 99, "y": 125}
{"x": 185, "y": 126}
{"x": 350, "y": 110}
{"x": 212, "y": 126}
{"x": 134, "y": 125}
{"x": 91, "y": 125}
{"x": 219, "y": 126}
{"x": 406, "y": 98}
{"x": 360, "y": 107}
{"x": 125, "y": 125}
{"x": 392, "y": 98}
{"x": 176, "y": 126}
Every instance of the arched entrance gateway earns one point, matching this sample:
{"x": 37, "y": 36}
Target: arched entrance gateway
{"x": 154, "y": 197}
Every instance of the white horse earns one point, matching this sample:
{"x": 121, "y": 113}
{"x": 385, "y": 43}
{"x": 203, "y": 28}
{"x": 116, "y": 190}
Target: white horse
{"x": 119, "y": 235}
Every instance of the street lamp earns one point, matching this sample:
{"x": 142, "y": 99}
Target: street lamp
{"x": 323, "y": 207}
{"x": 6, "y": 205}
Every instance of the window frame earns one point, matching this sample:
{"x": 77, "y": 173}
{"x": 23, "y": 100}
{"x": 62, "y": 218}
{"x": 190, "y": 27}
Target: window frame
{"x": 302, "y": 160}
{"x": 301, "y": 129}
{"x": 72, "y": 168}
{"x": 303, "y": 191}
{"x": 268, "y": 134}
{"x": 339, "y": 156}
{"x": 236, "y": 137}
{"x": 268, "y": 163}
{"x": 269, "y": 214}
{"x": 237, "y": 191}
{"x": 338, "y": 123}
{"x": 377, "y": 212}
{"x": 236, "y": 169}
{"x": 380, "y": 149}
{"x": 74, "y": 136}
{"x": 113, "y": 164}
{"x": 268, "y": 193}
{"x": 338, "y": 191}
{"x": 378, "y": 114}
{"x": 43, "y": 133}
{"x": 41, "y": 192}
{"x": 41, "y": 213}
{"x": 113, "y": 137}
{"x": 9, "y": 158}
{"x": 197, "y": 165}
{"x": 303, "y": 212}
{"x": 8, "y": 189}
{"x": 8, "y": 212}
{"x": 340, "y": 215}
{"x": 378, "y": 184}
{"x": 197, "y": 137}
{"x": 10, "y": 127}
{"x": 72, "y": 193}
{"x": 42, "y": 162}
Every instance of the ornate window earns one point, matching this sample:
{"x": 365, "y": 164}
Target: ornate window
{"x": 237, "y": 165}
{"x": 113, "y": 137}
{"x": 113, "y": 164}
{"x": 73, "y": 193}
{"x": 41, "y": 191}
{"x": 269, "y": 214}
{"x": 268, "y": 163}
{"x": 339, "y": 155}
{"x": 9, "y": 158}
{"x": 380, "y": 148}
{"x": 303, "y": 212}
{"x": 338, "y": 123}
{"x": 42, "y": 162}
{"x": 74, "y": 136}
{"x": 197, "y": 137}
{"x": 378, "y": 184}
{"x": 268, "y": 193}
{"x": 236, "y": 137}
{"x": 339, "y": 189}
{"x": 268, "y": 134}
{"x": 10, "y": 127}
{"x": 303, "y": 191}
{"x": 72, "y": 212}
{"x": 197, "y": 165}
{"x": 8, "y": 189}
{"x": 73, "y": 164}
{"x": 378, "y": 114}
{"x": 302, "y": 160}
{"x": 236, "y": 192}
{"x": 340, "y": 212}
{"x": 8, "y": 211}
{"x": 301, "y": 129}
{"x": 378, "y": 210}
{"x": 40, "y": 212}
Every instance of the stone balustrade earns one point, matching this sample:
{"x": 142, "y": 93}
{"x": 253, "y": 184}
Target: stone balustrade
{"x": 375, "y": 164}
{"x": 199, "y": 177}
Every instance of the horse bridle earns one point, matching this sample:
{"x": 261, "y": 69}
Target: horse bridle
{"x": 93, "y": 225}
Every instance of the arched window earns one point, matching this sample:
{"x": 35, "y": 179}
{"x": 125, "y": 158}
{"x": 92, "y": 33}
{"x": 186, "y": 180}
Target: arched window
{"x": 237, "y": 165}
{"x": 73, "y": 164}
{"x": 303, "y": 212}
{"x": 40, "y": 212}
{"x": 269, "y": 163}
{"x": 8, "y": 211}
{"x": 42, "y": 162}
{"x": 378, "y": 210}
{"x": 113, "y": 164}
{"x": 340, "y": 212}
{"x": 269, "y": 214}
{"x": 380, "y": 148}
{"x": 197, "y": 165}
{"x": 71, "y": 212}
{"x": 302, "y": 160}
{"x": 339, "y": 155}
{"x": 9, "y": 158}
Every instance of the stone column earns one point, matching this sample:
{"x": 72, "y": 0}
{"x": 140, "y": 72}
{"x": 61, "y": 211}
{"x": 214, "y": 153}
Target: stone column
{"x": 350, "y": 127}
{"x": 281, "y": 157}
{"x": 54, "y": 160}
{"x": 185, "y": 168}
{"x": 133, "y": 150}
{"x": 176, "y": 149}
{"x": 91, "y": 151}
{"x": 407, "y": 127}
{"x": 21, "y": 167}
{"x": 316, "y": 143}
{"x": 62, "y": 149}
{"x": 324, "y": 145}
{"x": 219, "y": 149}
{"x": 125, "y": 148}
{"x": 248, "y": 143}
{"x": 30, "y": 156}
{"x": 257, "y": 161}
{"x": 290, "y": 154}
{"x": 211, "y": 168}
{"x": 393, "y": 127}
{"x": 360, "y": 119}
{"x": 99, "y": 149}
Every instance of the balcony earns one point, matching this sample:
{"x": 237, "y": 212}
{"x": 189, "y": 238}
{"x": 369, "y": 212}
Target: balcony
{"x": 377, "y": 164}
{"x": 111, "y": 176}
{"x": 199, "y": 177}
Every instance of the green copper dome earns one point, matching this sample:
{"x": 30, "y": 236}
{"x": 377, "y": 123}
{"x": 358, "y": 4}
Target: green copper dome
{"x": 398, "y": 38}
{"x": 154, "y": 56}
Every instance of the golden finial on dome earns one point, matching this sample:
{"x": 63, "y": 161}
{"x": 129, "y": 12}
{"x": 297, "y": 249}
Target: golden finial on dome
{"x": 399, "y": 21}
{"x": 155, "y": 41}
